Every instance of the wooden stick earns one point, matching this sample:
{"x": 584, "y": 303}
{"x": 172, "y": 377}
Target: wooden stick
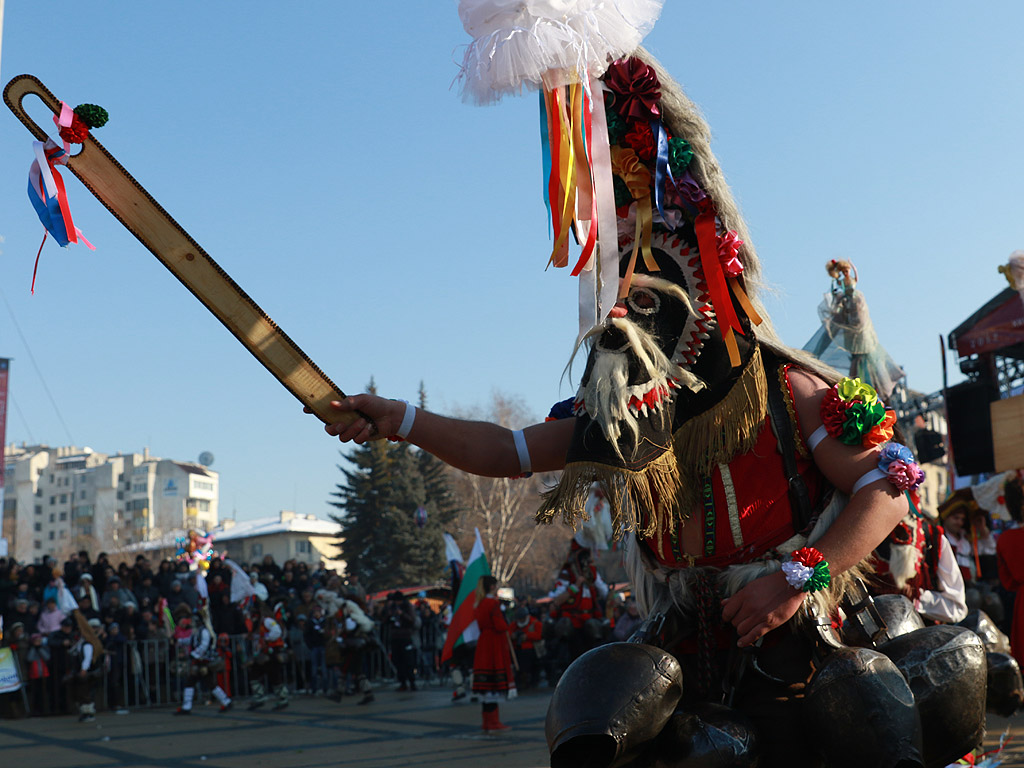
{"x": 144, "y": 217}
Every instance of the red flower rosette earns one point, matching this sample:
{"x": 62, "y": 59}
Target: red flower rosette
{"x": 76, "y": 132}
{"x": 640, "y": 138}
{"x": 636, "y": 88}
{"x": 833, "y": 412}
{"x": 728, "y": 253}
{"x": 807, "y": 556}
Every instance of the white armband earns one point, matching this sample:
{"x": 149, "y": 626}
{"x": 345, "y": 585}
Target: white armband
{"x": 410, "y": 417}
{"x": 522, "y": 450}
{"x": 867, "y": 478}
{"x": 816, "y": 437}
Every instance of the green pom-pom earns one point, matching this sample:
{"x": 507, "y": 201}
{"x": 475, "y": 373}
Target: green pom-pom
{"x": 617, "y": 127}
{"x": 820, "y": 579}
{"x": 859, "y": 420}
{"x": 92, "y": 115}
{"x": 679, "y": 155}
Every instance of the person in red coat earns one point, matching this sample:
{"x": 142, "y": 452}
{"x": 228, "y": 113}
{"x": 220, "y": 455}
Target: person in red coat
{"x": 493, "y": 678}
{"x": 1010, "y": 557}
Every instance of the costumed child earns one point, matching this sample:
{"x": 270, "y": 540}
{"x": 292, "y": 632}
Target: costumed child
{"x": 203, "y": 665}
{"x": 85, "y": 668}
{"x": 528, "y": 643}
{"x": 267, "y": 663}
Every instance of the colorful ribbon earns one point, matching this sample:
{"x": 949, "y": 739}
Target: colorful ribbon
{"x": 718, "y": 287}
{"x": 579, "y": 193}
{"x": 604, "y": 193}
{"x": 49, "y": 198}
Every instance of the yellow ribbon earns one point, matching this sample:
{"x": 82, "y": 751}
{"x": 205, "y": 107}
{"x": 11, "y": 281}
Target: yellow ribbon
{"x": 744, "y": 300}
{"x": 566, "y": 166}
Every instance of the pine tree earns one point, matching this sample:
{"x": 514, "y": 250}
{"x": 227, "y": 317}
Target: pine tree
{"x": 377, "y": 505}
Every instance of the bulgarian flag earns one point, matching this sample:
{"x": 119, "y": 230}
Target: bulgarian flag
{"x": 463, "y": 628}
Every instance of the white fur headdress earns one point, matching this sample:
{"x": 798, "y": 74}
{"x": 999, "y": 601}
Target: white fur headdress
{"x": 521, "y": 44}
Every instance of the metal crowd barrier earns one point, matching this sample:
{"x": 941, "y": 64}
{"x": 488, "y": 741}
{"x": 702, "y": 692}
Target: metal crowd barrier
{"x": 152, "y": 673}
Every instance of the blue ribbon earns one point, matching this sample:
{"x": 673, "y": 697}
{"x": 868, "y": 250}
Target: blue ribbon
{"x": 49, "y": 213}
{"x": 545, "y": 153}
{"x": 661, "y": 169}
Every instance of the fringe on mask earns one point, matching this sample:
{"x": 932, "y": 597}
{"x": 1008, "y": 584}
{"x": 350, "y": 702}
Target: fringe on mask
{"x": 709, "y": 439}
{"x": 729, "y": 428}
{"x": 641, "y": 501}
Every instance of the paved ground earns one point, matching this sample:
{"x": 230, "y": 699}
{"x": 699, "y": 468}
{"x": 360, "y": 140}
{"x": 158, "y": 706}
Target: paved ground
{"x": 400, "y": 729}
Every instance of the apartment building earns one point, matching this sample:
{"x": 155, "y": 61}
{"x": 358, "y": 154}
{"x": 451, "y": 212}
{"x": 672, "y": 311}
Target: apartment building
{"x": 66, "y": 498}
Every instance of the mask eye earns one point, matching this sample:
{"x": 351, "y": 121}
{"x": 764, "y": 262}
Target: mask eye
{"x": 643, "y": 301}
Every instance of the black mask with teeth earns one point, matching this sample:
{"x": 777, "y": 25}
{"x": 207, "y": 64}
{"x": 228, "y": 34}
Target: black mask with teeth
{"x": 650, "y": 377}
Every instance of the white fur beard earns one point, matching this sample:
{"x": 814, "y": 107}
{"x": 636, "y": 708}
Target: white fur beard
{"x": 607, "y": 392}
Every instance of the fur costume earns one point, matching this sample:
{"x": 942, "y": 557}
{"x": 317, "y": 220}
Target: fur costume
{"x": 339, "y": 607}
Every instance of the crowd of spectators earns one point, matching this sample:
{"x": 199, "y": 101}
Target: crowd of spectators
{"x": 126, "y": 605}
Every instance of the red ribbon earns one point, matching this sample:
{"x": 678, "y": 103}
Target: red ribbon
{"x": 718, "y": 288}
{"x": 588, "y": 248}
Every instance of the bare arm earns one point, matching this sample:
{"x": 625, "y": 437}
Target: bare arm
{"x": 478, "y": 447}
{"x": 872, "y": 513}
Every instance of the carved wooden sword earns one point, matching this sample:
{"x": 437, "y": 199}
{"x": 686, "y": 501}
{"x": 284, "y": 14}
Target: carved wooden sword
{"x": 145, "y": 218}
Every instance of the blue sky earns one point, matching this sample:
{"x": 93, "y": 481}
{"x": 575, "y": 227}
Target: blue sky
{"x": 319, "y": 154}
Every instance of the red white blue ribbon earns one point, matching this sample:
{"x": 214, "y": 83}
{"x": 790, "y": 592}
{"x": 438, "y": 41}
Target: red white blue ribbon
{"x": 48, "y": 196}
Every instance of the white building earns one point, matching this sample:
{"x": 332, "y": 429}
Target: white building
{"x": 62, "y": 499}
{"x": 286, "y": 536}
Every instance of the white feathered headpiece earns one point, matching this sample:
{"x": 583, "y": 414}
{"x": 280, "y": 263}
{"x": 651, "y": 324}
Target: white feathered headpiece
{"x": 527, "y": 44}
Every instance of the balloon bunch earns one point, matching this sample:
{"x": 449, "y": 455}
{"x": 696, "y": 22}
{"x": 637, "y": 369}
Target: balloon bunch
{"x": 196, "y": 549}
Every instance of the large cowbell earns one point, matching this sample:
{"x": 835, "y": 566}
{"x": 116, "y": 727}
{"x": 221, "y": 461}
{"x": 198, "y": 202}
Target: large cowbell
{"x": 982, "y": 625}
{"x": 609, "y": 703}
{"x": 1005, "y": 687}
{"x": 708, "y": 736}
{"x": 861, "y": 711}
{"x": 896, "y": 614}
{"x": 946, "y": 669}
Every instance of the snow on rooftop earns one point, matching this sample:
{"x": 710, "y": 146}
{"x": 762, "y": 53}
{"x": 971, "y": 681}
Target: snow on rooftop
{"x": 285, "y": 522}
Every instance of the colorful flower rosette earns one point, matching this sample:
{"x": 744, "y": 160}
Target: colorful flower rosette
{"x": 897, "y": 462}
{"x": 807, "y": 571}
{"x": 853, "y": 414}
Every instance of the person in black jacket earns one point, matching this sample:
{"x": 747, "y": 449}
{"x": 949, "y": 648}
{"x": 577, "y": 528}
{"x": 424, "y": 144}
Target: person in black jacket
{"x": 315, "y": 636}
{"x": 404, "y": 623}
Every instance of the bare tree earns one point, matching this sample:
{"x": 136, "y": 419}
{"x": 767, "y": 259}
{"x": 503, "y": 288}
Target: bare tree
{"x": 503, "y": 508}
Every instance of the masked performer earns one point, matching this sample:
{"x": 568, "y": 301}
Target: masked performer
{"x": 85, "y": 668}
{"x": 204, "y": 663}
{"x": 847, "y": 338}
{"x": 352, "y": 637}
{"x": 744, "y": 473}
{"x": 577, "y": 602}
{"x": 271, "y": 656}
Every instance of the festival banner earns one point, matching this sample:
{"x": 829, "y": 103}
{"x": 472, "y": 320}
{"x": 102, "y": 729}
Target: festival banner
{"x": 9, "y": 678}
{"x": 463, "y": 628}
{"x": 5, "y": 365}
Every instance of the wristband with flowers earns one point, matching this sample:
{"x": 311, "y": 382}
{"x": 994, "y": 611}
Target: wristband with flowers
{"x": 852, "y": 413}
{"x": 897, "y": 462}
{"x": 807, "y": 571}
